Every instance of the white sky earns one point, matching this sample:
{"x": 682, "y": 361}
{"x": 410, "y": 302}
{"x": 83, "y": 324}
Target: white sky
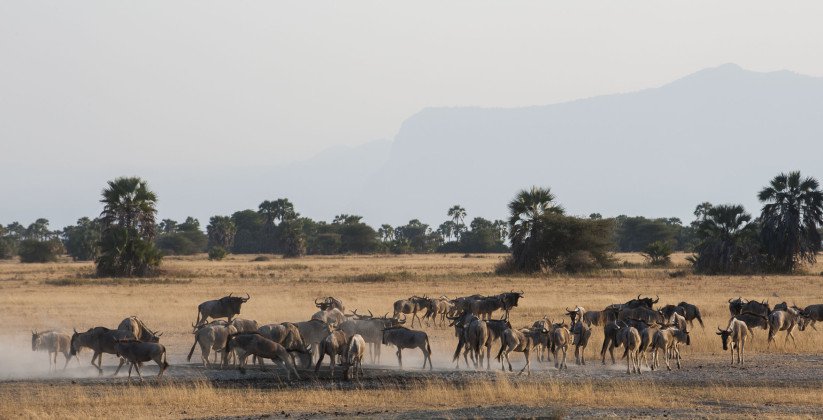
{"x": 110, "y": 84}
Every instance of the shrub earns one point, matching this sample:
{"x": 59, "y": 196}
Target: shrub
{"x": 658, "y": 253}
{"x": 6, "y": 249}
{"x": 34, "y": 251}
{"x": 217, "y": 253}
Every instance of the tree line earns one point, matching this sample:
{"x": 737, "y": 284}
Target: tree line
{"x": 724, "y": 239}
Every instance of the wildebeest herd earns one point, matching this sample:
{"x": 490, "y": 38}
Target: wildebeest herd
{"x": 636, "y": 326}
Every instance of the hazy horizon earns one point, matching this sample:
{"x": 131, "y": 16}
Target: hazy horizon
{"x": 201, "y": 93}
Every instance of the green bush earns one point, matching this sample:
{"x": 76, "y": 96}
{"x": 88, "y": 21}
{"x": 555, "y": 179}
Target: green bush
{"x": 34, "y": 251}
{"x": 658, "y": 253}
{"x": 217, "y": 253}
{"x": 6, "y": 249}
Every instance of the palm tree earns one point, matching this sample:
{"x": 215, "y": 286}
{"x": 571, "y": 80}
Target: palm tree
{"x": 127, "y": 247}
{"x": 728, "y": 241}
{"x": 221, "y": 231}
{"x": 792, "y": 212}
{"x": 128, "y": 203}
{"x": 525, "y": 211}
{"x": 458, "y": 214}
{"x": 386, "y": 232}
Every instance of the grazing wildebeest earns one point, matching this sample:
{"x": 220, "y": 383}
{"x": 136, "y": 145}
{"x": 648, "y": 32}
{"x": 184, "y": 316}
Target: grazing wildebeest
{"x": 736, "y": 332}
{"x": 515, "y": 340}
{"x": 404, "y": 338}
{"x": 335, "y": 344}
{"x": 668, "y": 340}
{"x": 212, "y": 336}
{"x": 629, "y": 337}
{"x": 244, "y": 325}
{"x": 332, "y": 316}
{"x": 135, "y": 352}
{"x": 782, "y": 321}
{"x": 411, "y": 306}
{"x": 560, "y": 342}
{"x": 53, "y": 342}
{"x": 330, "y": 302}
{"x": 225, "y": 307}
{"x": 139, "y": 329}
{"x": 642, "y": 302}
{"x": 254, "y": 344}
{"x": 354, "y": 357}
{"x": 809, "y": 316}
{"x": 581, "y": 334}
{"x": 100, "y": 340}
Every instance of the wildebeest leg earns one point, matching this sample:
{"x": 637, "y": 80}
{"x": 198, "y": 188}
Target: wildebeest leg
{"x": 400, "y": 356}
{"x": 68, "y": 358}
{"x": 137, "y": 369}
{"x": 99, "y": 364}
{"x": 122, "y": 361}
{"x": 488, "y": 356}
{"x": 319, "y": 361}
{"x": 131, "y": 365}
{"x": 788, "y": 334}
{"x": 509, "y": 362}
{"x": 526, "y": 366}
{"x": 677, "y": 354}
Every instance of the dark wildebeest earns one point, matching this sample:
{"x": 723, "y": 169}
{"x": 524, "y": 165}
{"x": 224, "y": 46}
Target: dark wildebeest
{"x": 411, "y": 306}
{"x": 610, "y": 332}
{"x": 485, "y": 306}
{"x": 254, "y": 344}
{"x": 736, "y": 306}
{"x": 644, "y": 302}
{"x": 581, "y": 334}
{"x": 650, "y": 316}
{"x": 135, "y": 352}
{"x": 404, "y": 338}
{"x": 225, "y": 307}
{"x": 510, "y": 300}
{"x": 139, "y": 329}
{"x": 100, "y": 340}
{"x": 53, "y": 342}
{"x": 684, "y": 309}
{"x": 329, "y": 302}
{"x": 753, "y": 321}
{"x": 740, "y": 306}
{"x": 460, "y": 324}
{"x": 809, "y": 315}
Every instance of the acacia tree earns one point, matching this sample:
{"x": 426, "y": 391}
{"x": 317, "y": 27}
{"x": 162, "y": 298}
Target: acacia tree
{"x": 525, "y": 213}
{"x": 791, "y": 215}
{"x": 128, "y": 222}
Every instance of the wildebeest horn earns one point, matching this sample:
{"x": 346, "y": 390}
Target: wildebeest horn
{"x": 315, "y": 302}
{"x": 158, "y": 334}
{"x": 403, "y": 321}
{"x": 231, "y": 294}
{"x": 75, "y": 330}
{"x": 248, "y": 297}
{"x": 730, "y": 300}
{"x": 568, "y": 311}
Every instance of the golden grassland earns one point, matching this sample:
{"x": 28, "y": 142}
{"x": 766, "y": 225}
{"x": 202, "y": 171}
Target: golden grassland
{"x": 65, "y": 295}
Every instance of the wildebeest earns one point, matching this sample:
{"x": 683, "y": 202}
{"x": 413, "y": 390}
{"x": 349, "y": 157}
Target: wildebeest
{"x": 809, "y": 316}
{"x": 736, "y": 306}
{"x": 691, "y": 312}
{"x": 225, "y": 307}
{"x": 254, "y": 344}
{"x": 477, "y": 337}
{"x": 354, "y": 357}
{"x": 100, "y": 340}
{"x": 575, "y": 314}
{"x": 461, "y": 324}
{"x": 411, "y": 306}
{"x": 604, "y": 317}
{"x": 541, "y": 337}
{"x": 650, "y": 316}
{"x": 139, "y": 329}
{"x": 212, "y": 336}
{"x": 753, "y": 321}
{"x": 135, "y": 352}
{"x": 371, "y": 329}
{"x": 287, "y": 335}
{"x": 610, "y": 333}
{"x": 560, "y": 343}
{"x": 629, "y": 337}
{"x": 329, "y": 302}
{"x": 782, "y": 321}
{"x": 736, "y": 333}
{"x": 510, "y": 300}
{"x": 646, "y": 302}
{"x": 313, "y": 332}
{"x": 515, "y": 340}
{"x": 485, "y": 306}
{"x": 53, "y": 342}
{"x": 334, "y": 345}
{"x": 404, "y": 338}
{"x": 332, "y": 316}
{"x": 441, "y": 307}
{"x": 581, "y": 334}
{"x": 244, "y": 325}
{"x": 741, "y": 306}
{"x": 668, "y": 340}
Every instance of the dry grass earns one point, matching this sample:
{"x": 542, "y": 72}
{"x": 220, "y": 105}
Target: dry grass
{"x": 64, "y": 295}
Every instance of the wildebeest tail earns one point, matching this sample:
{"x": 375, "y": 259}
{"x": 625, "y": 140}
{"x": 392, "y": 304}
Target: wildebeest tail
{"x": 460, "y": 344}
{"x": 699, "y": 319}
{"x": 166, "y": 360}
{"x": 188, "y": 358}
{"x": 428, "y": 348}
{"x": 500, "y": 353}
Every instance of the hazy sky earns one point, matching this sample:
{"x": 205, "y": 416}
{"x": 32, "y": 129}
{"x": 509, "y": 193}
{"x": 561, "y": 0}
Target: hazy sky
{"x": 111, "y": 87}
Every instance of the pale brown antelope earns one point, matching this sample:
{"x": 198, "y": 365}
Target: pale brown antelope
{"x": 783, "y": 321}
{"x": 668, "y": 340}
{"x": 334, "y": 345}
{"x": 515, "y": 341}
{"x": 354, "y": 357}
{"x": 735, "y": 334}
{"x": 53, "y": 342}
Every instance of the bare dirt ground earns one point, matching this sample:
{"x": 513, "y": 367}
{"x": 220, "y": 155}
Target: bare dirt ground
{"x": 782, "y": 381}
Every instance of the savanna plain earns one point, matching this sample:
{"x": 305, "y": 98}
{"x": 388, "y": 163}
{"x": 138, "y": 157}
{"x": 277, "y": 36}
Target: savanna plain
{"x": 783, "y": 380}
